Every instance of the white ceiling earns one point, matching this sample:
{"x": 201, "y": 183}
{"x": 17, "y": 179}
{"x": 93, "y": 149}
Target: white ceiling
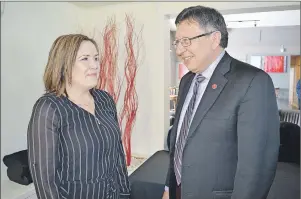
{"x": 90, "y": 4}
{"x": 262, "y": 19}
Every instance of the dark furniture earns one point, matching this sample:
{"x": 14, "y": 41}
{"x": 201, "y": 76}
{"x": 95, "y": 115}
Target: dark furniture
{"x": 292, "y": 116}
{"x": 18, "y": 168}
{"x": 148, "y": 180}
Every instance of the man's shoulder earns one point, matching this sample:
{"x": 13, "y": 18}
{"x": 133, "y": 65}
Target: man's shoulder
{"x": 243, "y": 69}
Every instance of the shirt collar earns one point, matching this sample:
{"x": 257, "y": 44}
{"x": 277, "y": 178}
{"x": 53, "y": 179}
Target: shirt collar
{"x": 209, "y": 71}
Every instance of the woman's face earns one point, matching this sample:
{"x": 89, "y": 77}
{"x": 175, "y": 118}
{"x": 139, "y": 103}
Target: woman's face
{"x": 85, "y": 72}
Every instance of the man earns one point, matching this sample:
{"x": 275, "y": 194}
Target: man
{"x": 225, "y": 139}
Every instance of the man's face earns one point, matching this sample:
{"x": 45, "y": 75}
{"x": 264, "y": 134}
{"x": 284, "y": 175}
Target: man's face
{"x": 197, "y": 56}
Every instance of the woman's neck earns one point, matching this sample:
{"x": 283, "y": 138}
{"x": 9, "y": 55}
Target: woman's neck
{"x": 79, "y": 95}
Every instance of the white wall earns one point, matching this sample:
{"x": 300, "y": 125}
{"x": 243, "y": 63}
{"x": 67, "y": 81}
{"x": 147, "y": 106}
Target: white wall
{"x": 173, "y": 62}
{"x": 27, "y": 32}
{"x": 266, "y": 41}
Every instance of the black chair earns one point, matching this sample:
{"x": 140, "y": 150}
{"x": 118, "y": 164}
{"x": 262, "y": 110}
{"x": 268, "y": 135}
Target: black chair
{"x": 18, "y": 168}
{"x": 146, "y": 190}
{"x": 148, "y": 181}
{"x": 292, "y": 116}
{"x": 289, "y": 143}
{"x": 287, "y": 180}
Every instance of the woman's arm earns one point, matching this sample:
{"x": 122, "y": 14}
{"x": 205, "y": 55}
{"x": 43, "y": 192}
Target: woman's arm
{"x": 42, "y": 138}
{"x": 122, "y": 174}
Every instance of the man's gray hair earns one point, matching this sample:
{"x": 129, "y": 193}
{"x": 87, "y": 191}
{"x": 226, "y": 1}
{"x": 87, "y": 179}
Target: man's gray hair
{"x": 208, "y": 18}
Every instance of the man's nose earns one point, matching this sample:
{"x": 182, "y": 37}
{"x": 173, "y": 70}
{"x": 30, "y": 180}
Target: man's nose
{"x": 180, "y": 49}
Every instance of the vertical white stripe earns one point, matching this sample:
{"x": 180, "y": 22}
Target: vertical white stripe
{"x": 61, "y": 152}
{"x": 40, "y": 148}
{"x": 47, "y": 148}
{"x": 95, "y": 156}
{"x": 80, "y": 154}
{"x": 71, "y": 142}
{"x": 87, "y": 192}
{"x": 79, "y": 148}
{"x": 89, "y": 133}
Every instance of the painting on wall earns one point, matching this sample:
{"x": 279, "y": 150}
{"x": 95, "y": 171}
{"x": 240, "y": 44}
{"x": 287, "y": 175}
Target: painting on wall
{"x": 270, "y": 64}
{"x": 274, "y": 64}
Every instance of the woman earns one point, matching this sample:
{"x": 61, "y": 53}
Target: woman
{"x": 74, "y": 143}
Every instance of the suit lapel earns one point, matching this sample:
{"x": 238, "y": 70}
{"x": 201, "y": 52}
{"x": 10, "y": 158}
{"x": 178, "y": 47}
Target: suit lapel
{"x": 182, "y": 97}
{"x": 184, "y": 93}
{"x": 210, "y": 95}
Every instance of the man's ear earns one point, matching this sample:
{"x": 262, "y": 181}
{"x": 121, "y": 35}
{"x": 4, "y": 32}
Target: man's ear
{"x": 216, "y": 39}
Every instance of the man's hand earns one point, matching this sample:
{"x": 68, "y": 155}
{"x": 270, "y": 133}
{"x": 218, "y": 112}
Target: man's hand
{"x": 165, "y": 195}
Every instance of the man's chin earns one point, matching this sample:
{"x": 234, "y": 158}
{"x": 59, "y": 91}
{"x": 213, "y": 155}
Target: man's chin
{"x": 193, "y": 70}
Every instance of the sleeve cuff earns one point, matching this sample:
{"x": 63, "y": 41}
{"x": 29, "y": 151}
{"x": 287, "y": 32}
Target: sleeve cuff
{"x": 166, "y": 188}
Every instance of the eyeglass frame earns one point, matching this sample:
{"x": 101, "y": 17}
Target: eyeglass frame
{"x": 190, "y": 39}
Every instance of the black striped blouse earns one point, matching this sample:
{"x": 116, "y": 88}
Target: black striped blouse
{"x": 74, "y": 154}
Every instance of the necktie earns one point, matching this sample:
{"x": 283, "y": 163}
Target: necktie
{"x": 185, "y": 129}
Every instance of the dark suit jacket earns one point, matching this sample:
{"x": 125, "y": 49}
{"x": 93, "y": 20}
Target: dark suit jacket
{"x": 232, "y": 145}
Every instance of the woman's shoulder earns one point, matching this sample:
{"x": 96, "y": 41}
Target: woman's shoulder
{"x": 47, "y": 100}
{"x": 46, "y": 107}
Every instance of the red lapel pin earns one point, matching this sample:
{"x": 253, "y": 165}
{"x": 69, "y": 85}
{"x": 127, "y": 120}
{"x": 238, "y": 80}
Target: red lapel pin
{"x": 214, "y": 86}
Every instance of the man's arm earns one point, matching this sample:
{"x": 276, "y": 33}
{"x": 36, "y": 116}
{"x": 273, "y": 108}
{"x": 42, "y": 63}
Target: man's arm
{"x": 258, "y": 140}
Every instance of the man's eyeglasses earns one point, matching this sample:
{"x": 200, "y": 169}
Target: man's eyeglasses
{"x": 186, "y": 41}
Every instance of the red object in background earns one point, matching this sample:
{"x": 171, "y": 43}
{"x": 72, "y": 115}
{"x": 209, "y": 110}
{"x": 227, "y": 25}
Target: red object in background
{"x": 274, "y": 64}
{"x": 182, "y": 70}
{"x": 110, "y": 79}
{"x": 127, "y": 117}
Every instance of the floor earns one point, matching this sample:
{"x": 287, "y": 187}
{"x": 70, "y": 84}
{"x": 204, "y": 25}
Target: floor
{"x": 11, "y": 190}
